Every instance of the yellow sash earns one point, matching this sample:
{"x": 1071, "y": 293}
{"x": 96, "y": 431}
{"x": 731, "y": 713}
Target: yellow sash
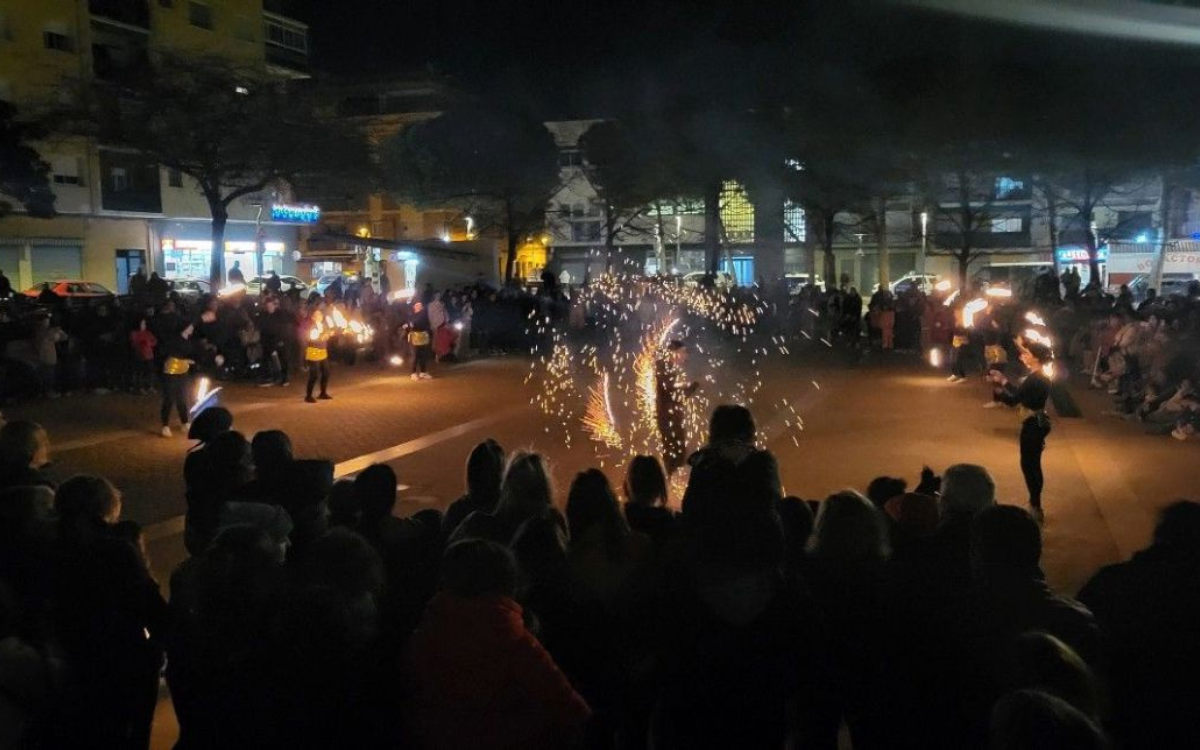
{"x": 176, "y": 366}
{"x": 316, "y": 353}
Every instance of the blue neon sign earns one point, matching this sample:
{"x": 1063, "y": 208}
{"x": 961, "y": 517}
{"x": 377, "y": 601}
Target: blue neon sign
{"x": 304, "y": 214}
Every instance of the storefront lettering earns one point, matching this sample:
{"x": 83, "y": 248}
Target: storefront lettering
{"x": 303, "y": 213}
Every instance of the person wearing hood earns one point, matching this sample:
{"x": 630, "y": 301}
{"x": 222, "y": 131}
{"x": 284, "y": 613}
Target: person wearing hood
{"x": 178, "y": 355}
{"x": 485, "y": 469}
{"x": 477, "y": 676}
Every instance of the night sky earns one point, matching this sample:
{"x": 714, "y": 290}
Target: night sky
{"x": 580, "y": 58}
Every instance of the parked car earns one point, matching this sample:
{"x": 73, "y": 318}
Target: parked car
{"x": 325, "y": 282}
{"x": 191, "y": 289}
{"x": 73, "y": 290}
{"x": 923, "y": 282}
{"x": 255, "y": 286}
{"x": 797, "y": 281}
{"x": 723, "y": 280}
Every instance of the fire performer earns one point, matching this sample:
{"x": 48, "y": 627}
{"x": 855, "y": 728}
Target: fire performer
{"x": 316, "y": 354}
{"x": 1030, "y": 399}
{"x": 671, "y": 388}
{"x": 178, "y": 357}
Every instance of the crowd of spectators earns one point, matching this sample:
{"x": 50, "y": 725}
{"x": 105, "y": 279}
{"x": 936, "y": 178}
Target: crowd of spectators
{"x": 1145, "y": 354}
{"x": 53, "y": 346}
{"x": 309, "y": 615}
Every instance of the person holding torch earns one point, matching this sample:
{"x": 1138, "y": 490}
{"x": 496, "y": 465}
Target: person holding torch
{"x": 178, "y": 355}
{"x": 1030, "y": 398}
{"x": 316, "y": 354}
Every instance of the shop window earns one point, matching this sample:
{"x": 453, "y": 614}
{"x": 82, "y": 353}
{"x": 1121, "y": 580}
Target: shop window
{"x": 200, "y": 15}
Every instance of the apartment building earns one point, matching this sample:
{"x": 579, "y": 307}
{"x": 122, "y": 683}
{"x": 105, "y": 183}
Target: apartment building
{"x": 118, "y": 211}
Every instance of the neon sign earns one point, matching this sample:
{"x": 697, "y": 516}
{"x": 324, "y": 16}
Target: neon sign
{"x": 1080, "y": 255}
{"x": 302, "y": 213}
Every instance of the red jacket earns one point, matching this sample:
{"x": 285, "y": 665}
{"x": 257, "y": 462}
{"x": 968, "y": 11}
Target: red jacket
{"x": 479, "y": 679}
{"x": 143, "y": 343}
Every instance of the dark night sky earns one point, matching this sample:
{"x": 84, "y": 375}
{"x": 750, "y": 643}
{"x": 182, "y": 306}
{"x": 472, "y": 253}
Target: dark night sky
{"x": 587, "y": 57}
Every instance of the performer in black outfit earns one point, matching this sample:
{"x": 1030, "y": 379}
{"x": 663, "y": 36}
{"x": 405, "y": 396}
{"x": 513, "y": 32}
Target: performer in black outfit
{"x": 671, "y": 387}
{"x": 1030, "y": 399}
{"x": 178, "y": 355}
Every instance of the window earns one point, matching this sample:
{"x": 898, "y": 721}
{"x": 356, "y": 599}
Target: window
{"x": 1007, "y": 225}
{"x": 174, "y": 178}
{"x": 1007, "y": 188}
{"x": 200, "y": 15}
{"x": 56, "y": 41}
{"x": 793, "y": 222}
{"x": 65, "y": 171}
{"x": 585, "y": 231}
{"x": 570, "y": 158}
{"x": 118, "y": 179}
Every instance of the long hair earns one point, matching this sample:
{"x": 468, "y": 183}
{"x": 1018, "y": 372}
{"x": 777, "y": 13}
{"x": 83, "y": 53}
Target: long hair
{"x": 591, "y": 503}
{"x": 645, "y": 481}
{"x": 526, "y": 490}
{"x": 849, "y": 528}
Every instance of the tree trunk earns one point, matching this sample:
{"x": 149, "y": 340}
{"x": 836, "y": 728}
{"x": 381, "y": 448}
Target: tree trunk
{"x": 712, "y": 226}
{"x": 1052, "y": 218}
{"x": 610, "y": 236}
{"x": 1091, "y": 242}
{"x": 510, "y": 232}
{"x": 1164, "y": 233}
{"x": 827, "y": 227}
{"x": 964, "y": 265}
{"x": 216, "y": 263}
{"x": 881, "y": 242}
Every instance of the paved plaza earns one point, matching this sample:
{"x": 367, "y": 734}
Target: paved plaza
{"x": 884, "y": 415}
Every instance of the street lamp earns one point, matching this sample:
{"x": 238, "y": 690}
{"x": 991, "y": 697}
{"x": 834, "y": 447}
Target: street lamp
{"x": 924, "y": 239}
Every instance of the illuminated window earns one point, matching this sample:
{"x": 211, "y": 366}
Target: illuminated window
{"x": 1007, "y": 188}
{"x": 793, "y": 222}
{"x": 737, "y": 213}
{"x": 1007, "y": 225}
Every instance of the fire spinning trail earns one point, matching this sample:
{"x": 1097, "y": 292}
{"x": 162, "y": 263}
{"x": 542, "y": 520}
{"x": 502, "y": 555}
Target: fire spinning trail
{"x": 603, "y": 379}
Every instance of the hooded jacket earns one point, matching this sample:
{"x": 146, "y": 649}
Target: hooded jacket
{"x": 478, "y": 678}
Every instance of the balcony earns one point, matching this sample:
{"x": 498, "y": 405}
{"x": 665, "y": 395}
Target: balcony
{"x": 286, "y": 42}
{"x": 134, "y": 13}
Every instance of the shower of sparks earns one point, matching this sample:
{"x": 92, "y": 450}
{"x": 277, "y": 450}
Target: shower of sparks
{"x": 599, "y": 420}
{"x": 634, "y": 318}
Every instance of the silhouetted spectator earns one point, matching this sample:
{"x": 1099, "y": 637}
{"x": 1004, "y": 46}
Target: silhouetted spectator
{"x": 110, "y": 619}
{"x": 1035, "y": 720}
{"x": 485, "y": 469}
{"x": 24, "y": 452}
{"x": 477, "y": 677}
{"x": 646, "y": 500}
{"x": 1149, "y": 608}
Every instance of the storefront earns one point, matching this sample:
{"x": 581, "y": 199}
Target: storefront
{"x": 191, "y": 258}
{"x": 186, "y": 250}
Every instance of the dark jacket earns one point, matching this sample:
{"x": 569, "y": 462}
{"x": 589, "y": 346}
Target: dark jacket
{"x": 1149, "y": 610}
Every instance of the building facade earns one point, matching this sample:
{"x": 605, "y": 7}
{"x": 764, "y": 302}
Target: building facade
{"x": 118, "y": 211}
